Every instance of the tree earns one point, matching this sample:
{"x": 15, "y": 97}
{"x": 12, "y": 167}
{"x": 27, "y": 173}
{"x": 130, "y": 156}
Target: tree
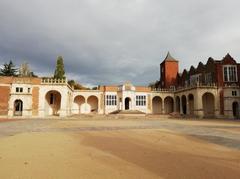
{"x": 24, "y": 70}
{"x": 59, "y": 71}
{"x": 154, "y": 85}
{"x": 77, "y": 86}
{"x": 8, "y": 69}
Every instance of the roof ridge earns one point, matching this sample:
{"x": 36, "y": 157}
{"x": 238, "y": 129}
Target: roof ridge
{"x": 169, "y": 57}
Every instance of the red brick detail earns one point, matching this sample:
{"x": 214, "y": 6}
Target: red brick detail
{"x": 169, "y": 71}
{"x": 142, "y": 89}
{"x": 4, "y": 98}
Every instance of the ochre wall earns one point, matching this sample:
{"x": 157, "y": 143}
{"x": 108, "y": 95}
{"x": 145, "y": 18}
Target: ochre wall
{"x": 35, "y": 100}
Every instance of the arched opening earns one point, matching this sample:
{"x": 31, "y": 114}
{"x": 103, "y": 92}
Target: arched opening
{"x": 78, "y": 104}
{"x": 191, "y": 104}
{"x": 157, "y": 105}
{"x": 93, "y": 103}
{"x": 18, "y": 107}
{"x": 235, "y": 108}
{"x": 184, "y": 104}
{"x": 177, "y": 104}
{"x": 168, "y": 105}
{"x": 208, "y": 104}
{"x": 53, "y": 103}
{"x": 127, "y": 103}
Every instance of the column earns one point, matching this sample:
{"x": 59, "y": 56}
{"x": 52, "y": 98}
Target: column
{"x": 181, "y": 107}
{"x": 187, "y": 106}
{"x": 174, "y": 105}
{"x": 163, "y": 107}
{"x": 199, "y": 105}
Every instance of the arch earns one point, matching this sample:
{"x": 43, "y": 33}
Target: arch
{"x": 184, "y": 104}
{"x": 157, "y": 105}
{"x": 168, "y": 105}
{"x": 127, "y": 102}
{"x": 53, "y": 102}
{"x": 191, "y": 104}
{"x": 79, "y": 101}
{"x": 93, "y": 104}
{"x": 18, "y": 107}
{"x": 235, "y": 109}
{"x": 208, "y": 101}
{"x": 177, "y": 103}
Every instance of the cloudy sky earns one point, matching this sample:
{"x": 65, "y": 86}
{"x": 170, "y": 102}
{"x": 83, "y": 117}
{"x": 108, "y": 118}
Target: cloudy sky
{"x": 113, "y": 41}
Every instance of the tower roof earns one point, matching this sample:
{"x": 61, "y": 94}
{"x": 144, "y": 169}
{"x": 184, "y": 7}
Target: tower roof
{"x": 170, "y": 58}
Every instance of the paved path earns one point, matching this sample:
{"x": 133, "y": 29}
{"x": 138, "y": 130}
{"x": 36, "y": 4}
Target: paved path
{"x": 218, "y": 132}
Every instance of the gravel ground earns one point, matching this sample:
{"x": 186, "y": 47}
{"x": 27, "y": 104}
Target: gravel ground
{"x": 225, "y": 133}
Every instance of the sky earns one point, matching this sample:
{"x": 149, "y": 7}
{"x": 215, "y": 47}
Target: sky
{"x": 106, "y": 42}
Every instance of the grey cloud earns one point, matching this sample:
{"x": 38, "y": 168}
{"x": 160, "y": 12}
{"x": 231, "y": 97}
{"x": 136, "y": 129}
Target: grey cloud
{"x": 111, "y": 41}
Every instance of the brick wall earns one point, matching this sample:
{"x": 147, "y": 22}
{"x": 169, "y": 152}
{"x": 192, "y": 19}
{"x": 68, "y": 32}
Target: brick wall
{"x": 169, "y": 73}
{"x": 4, "y": 98}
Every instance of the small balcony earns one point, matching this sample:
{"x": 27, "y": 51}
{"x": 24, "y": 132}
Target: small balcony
{"x": 55, "y": 81}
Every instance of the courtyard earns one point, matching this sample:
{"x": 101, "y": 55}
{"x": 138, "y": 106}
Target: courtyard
{"x": 113, "y": 146}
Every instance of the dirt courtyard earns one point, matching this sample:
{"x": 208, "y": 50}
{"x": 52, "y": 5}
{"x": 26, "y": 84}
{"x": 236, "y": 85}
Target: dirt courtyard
{"x": 110, "y": 147}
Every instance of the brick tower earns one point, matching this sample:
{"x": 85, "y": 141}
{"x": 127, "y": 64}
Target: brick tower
{"x": 168, "y": 72}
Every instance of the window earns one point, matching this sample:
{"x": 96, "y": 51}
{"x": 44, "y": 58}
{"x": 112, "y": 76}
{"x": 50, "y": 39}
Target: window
{"x": 195, "y": 79}
{"x": 234, "y": 93}
{"x": 29, "y": 89}
{"x": 230, "y": 73}
{"x": 111, "y": 100}
{"x": 19, "y": 90}
{"x": 141, "y": 100}
{"x": 208, "y": 78}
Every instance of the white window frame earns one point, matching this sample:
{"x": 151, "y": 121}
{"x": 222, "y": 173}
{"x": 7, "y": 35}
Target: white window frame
{"x": 141, "y": 100}
{"x": 228, "y": 73}
{"x": 234, "y": 93}
{"x": 111, "y": 100}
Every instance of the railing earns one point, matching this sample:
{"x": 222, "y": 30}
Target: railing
{"x": 54, "y": 81}
{"x": 179, "y": 88}
{"x": 197, "y": 85}
{"x": 162, "y": 90}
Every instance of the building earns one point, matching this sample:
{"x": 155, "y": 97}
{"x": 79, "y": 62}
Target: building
{"x": 210, "y": 90}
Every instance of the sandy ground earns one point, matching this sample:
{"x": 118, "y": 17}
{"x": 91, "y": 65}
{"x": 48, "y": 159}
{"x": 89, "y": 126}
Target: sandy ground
{"x": 119, "y": 149}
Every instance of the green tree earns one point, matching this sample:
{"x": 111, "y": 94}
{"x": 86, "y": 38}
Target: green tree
{"x": 59, "y": 71}
{"x": 8, "y": 69}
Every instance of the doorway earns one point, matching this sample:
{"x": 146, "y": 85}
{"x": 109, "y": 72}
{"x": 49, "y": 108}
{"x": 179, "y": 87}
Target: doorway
{"x": 127, "y": 103}
{"x": 18, "y": 107}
